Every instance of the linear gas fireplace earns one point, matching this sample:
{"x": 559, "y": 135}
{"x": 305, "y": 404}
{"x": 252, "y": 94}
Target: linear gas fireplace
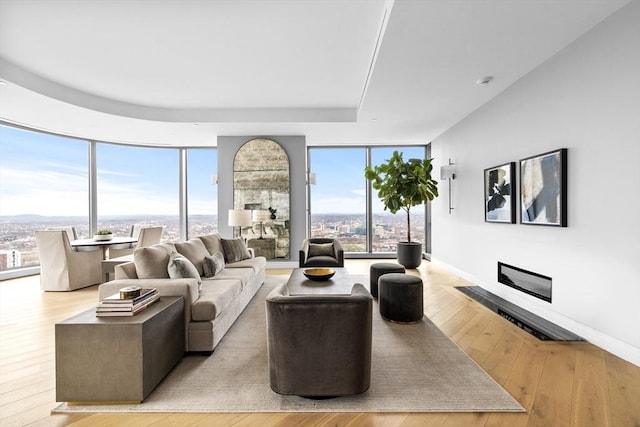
{"x": 531, "y": 283}
{"x": 526, "y": 281}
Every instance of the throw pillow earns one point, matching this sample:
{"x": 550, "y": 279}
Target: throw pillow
{"x": 180, "y": 267}
{"x": 234, "y": 250}
{"x": 195, "y": 251}
{"x": 212, "y": 243}
{"x": 213, "y": 264}
{"x": 321, "y": 249}
{"x": 151, "y": 262}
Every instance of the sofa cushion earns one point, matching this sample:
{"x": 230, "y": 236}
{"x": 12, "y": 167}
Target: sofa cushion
{"x": 213, "y": 264}
{"x": 322, "y": 261}
{"x": 212, "y": 243}
{"x": 215, "y": 296}
{"x": 257, "y": 264}
{"x": 244, "y": 275}
{"x": 179, "y": 267}
{"x": 234, "y": 250}
{"x": 151, "y": 262}
{"x": 195, "y": 251}
{"x": 320, "y": 249}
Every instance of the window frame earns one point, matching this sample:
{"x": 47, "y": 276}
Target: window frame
{"x": 370, "y": 194}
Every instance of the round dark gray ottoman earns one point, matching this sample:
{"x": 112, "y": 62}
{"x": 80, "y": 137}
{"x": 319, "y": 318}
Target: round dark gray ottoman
{"x": 378, "y": 269}
{"x": 400, "y": 297}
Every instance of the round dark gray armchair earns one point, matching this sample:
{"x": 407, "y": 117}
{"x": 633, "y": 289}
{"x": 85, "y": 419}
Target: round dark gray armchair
{"x": 321, "y": 252}
{"x": 319, "y": 345}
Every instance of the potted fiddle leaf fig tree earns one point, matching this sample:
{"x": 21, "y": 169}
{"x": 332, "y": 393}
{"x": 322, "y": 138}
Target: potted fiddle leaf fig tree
{"x": 402, "y": 185}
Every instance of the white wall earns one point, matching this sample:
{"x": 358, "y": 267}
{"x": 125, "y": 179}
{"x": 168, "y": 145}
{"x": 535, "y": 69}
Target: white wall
{"x": 587, "y": 99}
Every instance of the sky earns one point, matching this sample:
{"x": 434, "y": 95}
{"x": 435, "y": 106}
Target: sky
{"x": 340, "y": 183}
{"x": 48, "y": 175}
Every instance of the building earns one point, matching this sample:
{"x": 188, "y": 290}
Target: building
{"x": 10, "y": 259}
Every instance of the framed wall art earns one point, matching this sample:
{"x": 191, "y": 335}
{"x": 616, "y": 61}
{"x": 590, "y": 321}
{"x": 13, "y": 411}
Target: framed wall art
{"x": 499, "y": 193}
{"x": 543, "y": 189}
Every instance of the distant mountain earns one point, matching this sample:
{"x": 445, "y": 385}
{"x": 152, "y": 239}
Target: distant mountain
{"x": 30, "y": 218}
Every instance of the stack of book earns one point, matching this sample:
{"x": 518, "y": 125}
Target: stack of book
{"x": 114, "y": 306}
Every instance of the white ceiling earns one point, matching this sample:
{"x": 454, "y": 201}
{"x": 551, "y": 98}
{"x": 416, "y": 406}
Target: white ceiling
{"x": 182, "y": 72}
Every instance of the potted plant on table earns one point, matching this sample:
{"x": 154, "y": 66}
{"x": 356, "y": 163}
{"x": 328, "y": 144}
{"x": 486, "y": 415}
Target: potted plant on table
{"x": 104, "y": 234}
{"x": 273, "y": 212}
{"x": 402, "y": 185}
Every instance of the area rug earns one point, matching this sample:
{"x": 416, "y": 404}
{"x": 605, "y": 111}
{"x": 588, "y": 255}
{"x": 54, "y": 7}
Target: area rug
{"x": 415, "y": 368}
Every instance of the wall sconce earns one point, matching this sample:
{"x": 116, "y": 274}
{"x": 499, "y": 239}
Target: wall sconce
{"x": 240, "y": 218}
{"x": 311, "y": 178}
{"x": 447, "y": 173}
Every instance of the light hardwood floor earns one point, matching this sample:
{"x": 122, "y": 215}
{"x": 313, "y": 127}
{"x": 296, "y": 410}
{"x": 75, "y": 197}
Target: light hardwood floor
{"x": 560, "y": 384}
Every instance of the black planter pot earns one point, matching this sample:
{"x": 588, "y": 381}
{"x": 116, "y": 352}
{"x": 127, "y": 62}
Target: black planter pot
{"x": 409, "y": 254}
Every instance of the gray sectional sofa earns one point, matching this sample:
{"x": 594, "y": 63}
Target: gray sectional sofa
{"x": 212, "y": 304}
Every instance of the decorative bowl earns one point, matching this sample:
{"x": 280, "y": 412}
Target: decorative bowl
{"x": 319, "y": 274}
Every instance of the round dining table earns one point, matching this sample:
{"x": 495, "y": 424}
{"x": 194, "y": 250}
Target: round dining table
{"x": 81, "y": 244}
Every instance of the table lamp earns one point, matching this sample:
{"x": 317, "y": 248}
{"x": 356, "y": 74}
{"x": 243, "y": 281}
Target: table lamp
{"x": 240, "y": 218}
{"x": 260, "y": 216}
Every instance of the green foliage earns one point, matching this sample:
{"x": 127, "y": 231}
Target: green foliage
{"x": 103, "y": 232}
{"x": 401, "y": 184}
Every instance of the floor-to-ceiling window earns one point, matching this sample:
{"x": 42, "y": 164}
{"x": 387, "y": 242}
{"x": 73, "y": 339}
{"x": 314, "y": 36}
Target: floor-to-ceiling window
{"x": 202, "y": 191}
{"x": 338, "y": 204}
{"x": 338, "y": 196}
{"x": 388, "y": 228}
{"x": 138, "y": 185}
{"x": 43, "y": 183}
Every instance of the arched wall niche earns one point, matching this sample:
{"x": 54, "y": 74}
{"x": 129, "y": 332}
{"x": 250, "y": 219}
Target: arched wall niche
{"x": 261, "y": 184}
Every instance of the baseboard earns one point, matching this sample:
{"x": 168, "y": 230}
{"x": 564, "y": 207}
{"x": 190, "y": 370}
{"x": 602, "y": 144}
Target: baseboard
{"x": 613, "y": 345}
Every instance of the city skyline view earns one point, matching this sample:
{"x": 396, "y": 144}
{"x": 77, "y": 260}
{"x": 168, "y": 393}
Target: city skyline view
{"x": 17, "y": 233}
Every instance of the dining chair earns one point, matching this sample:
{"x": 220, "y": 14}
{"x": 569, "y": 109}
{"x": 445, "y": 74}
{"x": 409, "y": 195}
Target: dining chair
{"x": 62, "y": 268}
{"x": 147, "y": 236}
{"x": 72, "y": 234}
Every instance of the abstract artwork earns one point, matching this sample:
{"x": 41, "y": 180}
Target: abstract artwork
{"x": 543, "y": 189}
{"x": 499, "y": 197}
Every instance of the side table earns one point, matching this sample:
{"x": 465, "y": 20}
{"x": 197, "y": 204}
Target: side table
{"x": 118, "y": 359}
{"x": 265, "y": 247}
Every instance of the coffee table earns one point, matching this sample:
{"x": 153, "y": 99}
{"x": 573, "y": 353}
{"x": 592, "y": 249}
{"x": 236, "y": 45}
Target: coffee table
{"x": 340, "y": 284}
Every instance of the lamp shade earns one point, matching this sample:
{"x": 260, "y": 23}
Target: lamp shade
{"x": 239, "y": 217}
{"x": 448, "y": 172}
{"x": 260, "y": 215}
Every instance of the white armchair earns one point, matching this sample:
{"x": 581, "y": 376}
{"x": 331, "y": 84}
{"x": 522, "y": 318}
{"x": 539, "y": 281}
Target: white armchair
{"x": 147, "y": 236}
{"x": 62, "y": 268}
